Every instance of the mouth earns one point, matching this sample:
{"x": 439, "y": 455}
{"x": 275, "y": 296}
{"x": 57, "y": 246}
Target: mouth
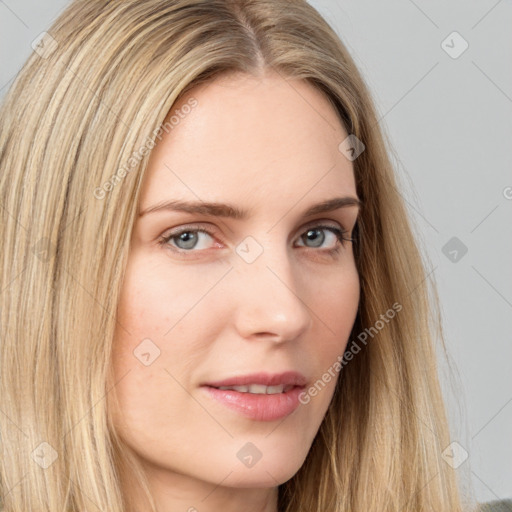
{"x": 256, "y": 401}
{"x": 258, "y": 389}
{"x": 256, "y": 382}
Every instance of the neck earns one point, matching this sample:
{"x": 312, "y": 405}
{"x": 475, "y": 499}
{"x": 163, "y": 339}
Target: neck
{"x": 174, "y": 492}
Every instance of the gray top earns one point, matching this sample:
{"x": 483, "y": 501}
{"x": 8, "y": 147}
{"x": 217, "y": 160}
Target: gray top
{"x": 496, "y": 506}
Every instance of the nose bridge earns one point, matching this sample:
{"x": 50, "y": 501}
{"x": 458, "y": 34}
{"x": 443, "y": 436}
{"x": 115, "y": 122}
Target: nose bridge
{"x": 270, "y": 298}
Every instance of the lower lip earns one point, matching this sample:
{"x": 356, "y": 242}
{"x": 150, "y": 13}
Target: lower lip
{"x": 258, "y": 406}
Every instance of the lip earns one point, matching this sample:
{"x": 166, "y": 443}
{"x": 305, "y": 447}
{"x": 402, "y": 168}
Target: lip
{"x": 288, "y": 378}
{"x": 258, "y": 407}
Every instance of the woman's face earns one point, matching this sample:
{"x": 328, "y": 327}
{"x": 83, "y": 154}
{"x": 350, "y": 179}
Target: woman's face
{"x": 237, "y": 278}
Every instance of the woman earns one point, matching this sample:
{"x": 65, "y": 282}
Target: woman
{"x": 196, "y": 196}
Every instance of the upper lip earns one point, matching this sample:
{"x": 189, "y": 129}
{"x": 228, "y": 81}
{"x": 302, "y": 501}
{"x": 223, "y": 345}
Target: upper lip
{"x": 267, "y": 379}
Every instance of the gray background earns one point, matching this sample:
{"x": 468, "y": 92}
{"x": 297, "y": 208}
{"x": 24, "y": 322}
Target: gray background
{"x": 449, "y": 121}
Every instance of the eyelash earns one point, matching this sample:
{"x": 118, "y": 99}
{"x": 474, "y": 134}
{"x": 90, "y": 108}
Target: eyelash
{"x": 339, "y": 233}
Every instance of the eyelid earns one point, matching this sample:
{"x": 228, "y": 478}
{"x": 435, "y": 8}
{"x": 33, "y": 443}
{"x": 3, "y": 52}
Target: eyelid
{"x": 166, "y": 238}
{"x": 324, "y": 222}
{"x": 186, "y": 227}
{"x": 200, "y": 227}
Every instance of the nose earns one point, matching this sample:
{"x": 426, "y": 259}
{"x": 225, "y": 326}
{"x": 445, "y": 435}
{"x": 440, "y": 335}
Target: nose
{"x": 270, "y": 301}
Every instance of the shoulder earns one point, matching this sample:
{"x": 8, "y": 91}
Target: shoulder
{"x": 496, "y": 506}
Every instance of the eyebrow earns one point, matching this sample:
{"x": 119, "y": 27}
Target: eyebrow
{"x": 230, "y": 211}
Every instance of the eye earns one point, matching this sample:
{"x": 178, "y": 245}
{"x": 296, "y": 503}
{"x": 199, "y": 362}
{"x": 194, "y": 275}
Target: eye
{"x": 194, "y": 239}
{"x": 188, "y": 239}
{"x": 316, "y": 236}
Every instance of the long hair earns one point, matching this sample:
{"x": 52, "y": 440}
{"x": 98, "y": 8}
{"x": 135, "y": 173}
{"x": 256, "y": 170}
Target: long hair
{"x": 95, "y": 92}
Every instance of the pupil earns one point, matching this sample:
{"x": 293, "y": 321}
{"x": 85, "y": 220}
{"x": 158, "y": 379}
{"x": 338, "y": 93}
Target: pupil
{"x": 312, "y": 235}
{"x": 189, "y": 240}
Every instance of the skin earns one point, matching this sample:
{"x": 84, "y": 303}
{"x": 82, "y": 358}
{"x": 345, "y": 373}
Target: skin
{"x": 268, "y": 145}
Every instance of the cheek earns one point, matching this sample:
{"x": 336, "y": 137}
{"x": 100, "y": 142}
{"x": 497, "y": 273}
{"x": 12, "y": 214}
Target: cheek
{"x": 146, "y": 300}
{"x": 159, "y": 297}
{"x": 338, "y": 303}
{"x": 153, "y": 347}
{"x": 164, "y": 325}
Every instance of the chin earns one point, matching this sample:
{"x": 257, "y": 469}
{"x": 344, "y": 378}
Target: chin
{"x": 259, "y": 478}
{"x": 270, "y": 471}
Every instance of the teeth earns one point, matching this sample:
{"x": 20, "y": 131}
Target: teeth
{"x": 258, "y": 389}
{"x": 271, "y": 390}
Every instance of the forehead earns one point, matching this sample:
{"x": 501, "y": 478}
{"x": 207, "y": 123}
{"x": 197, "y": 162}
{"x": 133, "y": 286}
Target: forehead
{"x": 245, "y": 134}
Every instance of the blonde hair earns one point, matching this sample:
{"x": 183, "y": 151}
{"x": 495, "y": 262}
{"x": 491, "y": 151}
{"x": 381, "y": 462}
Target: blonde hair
{"x": 96, "y": 91}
